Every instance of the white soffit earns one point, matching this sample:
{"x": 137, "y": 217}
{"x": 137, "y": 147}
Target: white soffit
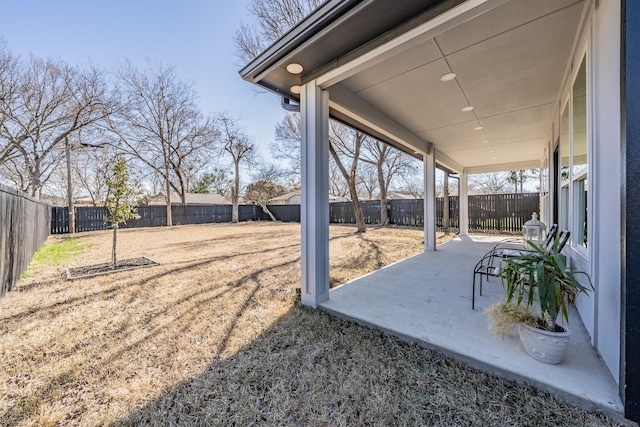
{"x": 509, "y": 63}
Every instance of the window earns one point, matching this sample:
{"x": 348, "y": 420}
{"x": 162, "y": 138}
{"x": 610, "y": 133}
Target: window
{"x": 574, "y": 137}
{"x": 579, "y": 156}
{"x": 565, "y": 146}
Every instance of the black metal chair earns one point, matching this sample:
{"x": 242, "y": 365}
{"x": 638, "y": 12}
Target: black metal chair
{"x": 485, "y": 266}
{"x": 501, "y": 250}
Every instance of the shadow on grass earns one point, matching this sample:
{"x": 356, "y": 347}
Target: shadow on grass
{"x": 52, "y": 309}
{"x": 309, "y": 368}
{"x": 68, "y": 380}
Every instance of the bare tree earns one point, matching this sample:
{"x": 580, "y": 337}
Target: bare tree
{"x": 9, "y": 74}
{"x": 368, "y": 181}
{"x": 160, "y": 124}
{"x": 338, "y": 186}
{"x": 346, "y": 143}
{"x": 44, "y": 102}
{"x": 240, "y": 147}
{"x": 287, "y": 146}
{"x": 90, "y": 171}
{"x": 388, "y": 162}
{"x": 490, "y": 182}
{"x": 265, "y": 187}
{"x": 272, "y": 19}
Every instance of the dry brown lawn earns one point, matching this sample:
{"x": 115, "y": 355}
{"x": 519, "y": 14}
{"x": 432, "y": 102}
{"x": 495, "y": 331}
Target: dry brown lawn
{"x": 215, "y": 335}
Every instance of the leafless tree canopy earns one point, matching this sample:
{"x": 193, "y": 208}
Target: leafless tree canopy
{"x": 346, "y": 144}
{"x": 237, "y": 145}
{"x": 491, "y": 182}
{"x": 159, "y": 123}
{"x": 288, "y": 138}
{"x": 272, "y": 19}
{"x": 389, "y": 162}
{"x": 43, "y": 101}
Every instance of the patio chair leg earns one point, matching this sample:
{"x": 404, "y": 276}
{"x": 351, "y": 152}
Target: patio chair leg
{"x": 473, "y": 293}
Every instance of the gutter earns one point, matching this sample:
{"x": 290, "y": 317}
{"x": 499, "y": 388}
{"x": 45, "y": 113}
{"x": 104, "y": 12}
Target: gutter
{"x": 287, "y": 105}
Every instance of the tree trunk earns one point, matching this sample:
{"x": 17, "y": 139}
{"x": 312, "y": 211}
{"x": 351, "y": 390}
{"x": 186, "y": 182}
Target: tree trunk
{"x": 72, "y": 213}
{"x": 445, "y": 204}
{"x": 35, "y": 178}
{"x": 167, "y": 186}
{"x": 235, "y": 217}
{"x": 113, "y": 247}
{"x": 264, "y": 208}
{"x": 183, "y": 189}
{"x": 384, "y": 213}
{"x": 351, "y": 180}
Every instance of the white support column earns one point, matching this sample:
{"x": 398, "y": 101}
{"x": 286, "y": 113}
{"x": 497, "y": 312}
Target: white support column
{"x": 314, "y": 209}
{"x": 463, "y": 200}
{"x": 429, "y": 168}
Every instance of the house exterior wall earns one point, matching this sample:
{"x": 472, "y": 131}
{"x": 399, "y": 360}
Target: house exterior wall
{"x": 601, "y": 311}
{"x": 606, "y": 185}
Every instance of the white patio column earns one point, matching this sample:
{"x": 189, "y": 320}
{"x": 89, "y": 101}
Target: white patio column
{"x": 429, "y": 168}
{"x": 463, "y": 200}
{"x": 314, "y": 209}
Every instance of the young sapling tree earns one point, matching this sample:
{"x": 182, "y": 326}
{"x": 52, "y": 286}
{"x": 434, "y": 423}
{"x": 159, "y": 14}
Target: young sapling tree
{"x": 121, "y": 201}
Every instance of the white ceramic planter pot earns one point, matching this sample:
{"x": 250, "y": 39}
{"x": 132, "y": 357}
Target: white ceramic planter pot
{"x": 544, "y": 346}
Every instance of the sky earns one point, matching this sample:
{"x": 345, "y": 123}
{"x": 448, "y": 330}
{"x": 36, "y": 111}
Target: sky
{"x": 193, "y": 35}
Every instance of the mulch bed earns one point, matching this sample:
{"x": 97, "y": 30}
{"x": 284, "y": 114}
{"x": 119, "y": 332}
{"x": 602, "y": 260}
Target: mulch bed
{"x": 106, "y": 268}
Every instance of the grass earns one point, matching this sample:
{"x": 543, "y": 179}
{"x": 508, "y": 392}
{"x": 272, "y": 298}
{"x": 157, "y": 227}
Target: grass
{"x": 215, "y": 335}
{"x": 53, "y": 253}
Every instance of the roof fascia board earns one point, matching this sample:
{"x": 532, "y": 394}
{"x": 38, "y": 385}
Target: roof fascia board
{"x": 502, "y": 167}
{"x": 295, "y": 49}
{"x": 294, "y": 38}
{"x": 443, "y": 22}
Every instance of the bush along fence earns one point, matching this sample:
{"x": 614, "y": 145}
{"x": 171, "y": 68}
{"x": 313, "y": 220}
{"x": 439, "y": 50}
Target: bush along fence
{"x": 24, "y": 226}
{"x": 492, "y": 213}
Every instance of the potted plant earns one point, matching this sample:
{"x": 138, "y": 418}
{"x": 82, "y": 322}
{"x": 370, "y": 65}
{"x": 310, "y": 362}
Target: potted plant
{"x": 539, "y": 288}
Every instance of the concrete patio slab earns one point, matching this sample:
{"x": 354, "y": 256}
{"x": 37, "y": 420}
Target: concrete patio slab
{"x": 427, "y": 299}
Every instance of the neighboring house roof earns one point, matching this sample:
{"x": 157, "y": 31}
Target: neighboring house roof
{"x": 285, "y": 197}
{"x": 294, "y": 198}
{"x": 192, "y": 199}
{"x": 53, "y": 200}
{"x": 392, "y": 195}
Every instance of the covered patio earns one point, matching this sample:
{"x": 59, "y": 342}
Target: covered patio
{"x": 426, "y": 299}
{"x": 474, "y": 86}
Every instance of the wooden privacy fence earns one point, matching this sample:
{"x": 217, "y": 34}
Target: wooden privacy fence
{"x": 502, "y": 212}
{"x": 89, "y": 218}
{"x": 24, "y": 226}
{"x": 493, "y": 213}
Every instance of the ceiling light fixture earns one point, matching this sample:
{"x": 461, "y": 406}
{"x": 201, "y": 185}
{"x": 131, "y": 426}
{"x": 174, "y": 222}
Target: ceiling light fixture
{"x": 478, "y": 128}
{"x": 467, "y": 109}
{"x": 294, "y": 68}
{"x": 448, "y": 77}
{"x": 296, "y": 89}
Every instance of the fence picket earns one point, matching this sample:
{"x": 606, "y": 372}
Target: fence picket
{"x": 24, "y": 226}
{"x": 491, "y": 212}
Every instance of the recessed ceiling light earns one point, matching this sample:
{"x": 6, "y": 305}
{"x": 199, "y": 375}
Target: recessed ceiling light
{"x": 294, "y": 68}
{"x": 296, "y": 89}
{"x": 466, "y": 109}
{"x": 447, "y": 77}
{"x": 478, "y": 128}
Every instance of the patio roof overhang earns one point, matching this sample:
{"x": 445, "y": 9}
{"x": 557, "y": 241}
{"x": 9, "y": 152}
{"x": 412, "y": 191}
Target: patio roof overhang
{"x": 382, "y": 63}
